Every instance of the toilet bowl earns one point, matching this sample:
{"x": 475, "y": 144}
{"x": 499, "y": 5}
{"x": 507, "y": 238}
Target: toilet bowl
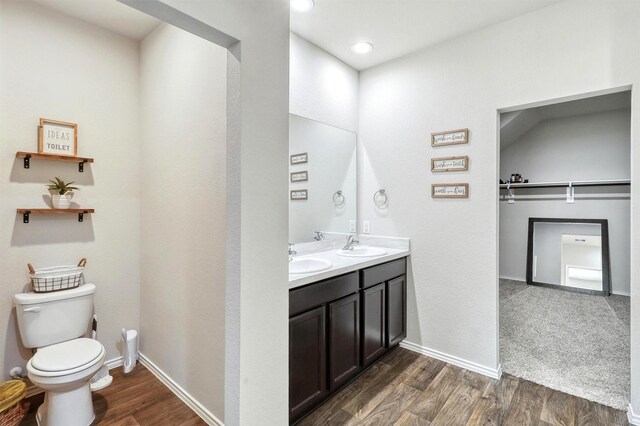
{"x": 64, "y": 362}
{"x": 63, "y": 371}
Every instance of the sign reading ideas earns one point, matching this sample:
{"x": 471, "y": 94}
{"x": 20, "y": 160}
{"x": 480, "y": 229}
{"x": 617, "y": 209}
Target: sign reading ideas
{"x": 450, "y": 190}
{"x": 57, "y": 137}
{"x": 450, "y": 137}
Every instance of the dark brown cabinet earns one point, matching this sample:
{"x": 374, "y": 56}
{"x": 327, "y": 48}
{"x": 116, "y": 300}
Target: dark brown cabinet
{"x": 344, "y": 340}
{"x": 373, "y": 323}
{"x": 396, "y": 310}
{"x": 338, "y": 327}
{"x": 307, "y": 360}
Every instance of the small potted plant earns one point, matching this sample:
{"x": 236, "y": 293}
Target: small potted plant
{"x": 61, "y": 193}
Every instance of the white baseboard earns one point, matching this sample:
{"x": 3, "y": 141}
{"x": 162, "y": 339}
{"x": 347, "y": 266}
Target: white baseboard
{"x": 494, "y": 373}
{"x": 633, "y": 418}
{"x": 523, "y": 280}
{"x": 621, "y": 293}
{"x": 111, "y": 364}
{"x": 191, "y": 402}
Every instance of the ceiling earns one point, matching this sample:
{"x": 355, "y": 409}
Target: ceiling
{"x": 515, "y": 124}
{"x": 109, "y": 14}
{"x": 399, "y": 27}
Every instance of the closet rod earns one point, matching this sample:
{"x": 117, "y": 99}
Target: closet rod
{"x": 609, "y": 182}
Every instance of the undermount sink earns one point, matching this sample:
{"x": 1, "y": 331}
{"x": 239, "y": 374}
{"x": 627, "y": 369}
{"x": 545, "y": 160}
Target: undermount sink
{"x": 308, "y": 265}
{"x": 362, "y": 251}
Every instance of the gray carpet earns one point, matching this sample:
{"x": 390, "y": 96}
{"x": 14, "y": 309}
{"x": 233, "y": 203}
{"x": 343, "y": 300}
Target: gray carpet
{"x": 572, "y": 342}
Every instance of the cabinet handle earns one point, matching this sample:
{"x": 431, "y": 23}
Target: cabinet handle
{"x": 34, "y": 309}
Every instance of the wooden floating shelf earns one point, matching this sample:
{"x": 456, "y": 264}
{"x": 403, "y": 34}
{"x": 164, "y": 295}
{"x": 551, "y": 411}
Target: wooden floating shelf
{"x": 80, "y": 212}
{"x": 27, "y": 156}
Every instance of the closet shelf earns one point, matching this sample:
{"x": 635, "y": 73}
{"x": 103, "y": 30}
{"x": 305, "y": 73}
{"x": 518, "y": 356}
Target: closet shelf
{"x": 80, "y": 212}
{"x": 27, "y": 156}
{"x": 561, "y": 184}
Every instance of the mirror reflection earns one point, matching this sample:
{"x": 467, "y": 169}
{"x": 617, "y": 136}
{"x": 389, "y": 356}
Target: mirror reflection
{"x": 322, "y": 180}
{"x": 569, "y": 254}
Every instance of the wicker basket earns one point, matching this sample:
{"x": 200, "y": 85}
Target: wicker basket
{"x": 56, "y": 278}
{"x": 12, "y": 409}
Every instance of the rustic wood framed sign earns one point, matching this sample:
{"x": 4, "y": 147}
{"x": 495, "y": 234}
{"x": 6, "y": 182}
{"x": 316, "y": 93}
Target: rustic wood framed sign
{"x": 450, "y": 137}
{"x": 450, "y": 190}
{"x": 57, "y": 138}
{"x": 450, "y": 164}
{"x": 299, "y": 176}
{"x": 299, "y": 194}
{"x": 301, "y": 158}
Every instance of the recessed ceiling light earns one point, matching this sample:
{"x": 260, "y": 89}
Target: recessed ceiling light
{"x": 302, "y": 5}
{"x": 362, "y": 47}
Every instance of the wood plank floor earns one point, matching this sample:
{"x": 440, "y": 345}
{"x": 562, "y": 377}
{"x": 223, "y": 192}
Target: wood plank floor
{"x": 136, "y": 399}
{"x": 408, "y": 389}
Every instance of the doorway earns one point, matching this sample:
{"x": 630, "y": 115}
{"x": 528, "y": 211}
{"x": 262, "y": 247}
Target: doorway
{"x": 564, "y": 297}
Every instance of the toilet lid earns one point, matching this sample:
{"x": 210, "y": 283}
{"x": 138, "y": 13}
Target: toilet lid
{"x": 67, "y": 355}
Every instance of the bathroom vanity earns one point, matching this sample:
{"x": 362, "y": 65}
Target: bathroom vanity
{"x": 340, "y": 325}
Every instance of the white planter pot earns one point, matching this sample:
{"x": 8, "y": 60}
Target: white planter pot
{"x": 61, "y": 201}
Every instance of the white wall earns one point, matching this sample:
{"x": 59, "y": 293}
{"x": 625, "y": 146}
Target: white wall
{"x": 322, "y": 87}
{"x": 593, "y": 146}
{"x": 569, "y": 48}
{"x": 57, "y": 67}
{"x": 256, "y": 387}
{"x": 183, "y": 119}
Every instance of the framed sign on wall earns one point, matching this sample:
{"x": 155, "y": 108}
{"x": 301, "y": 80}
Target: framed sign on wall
{"x": 450, "y": 137}
{"x": 57, "y": 137}
{"x": 299, "y": 194}
{"x": 450, "y": 190}
{"x": 299, "y": 176}
{"x": 450, "y": 164}
{"x": 299, "y": 158}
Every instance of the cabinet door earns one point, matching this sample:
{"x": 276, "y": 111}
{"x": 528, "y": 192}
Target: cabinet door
{"x": 396, "y": 310}
{"x": 344, "y": 340}
{"x": 307, "y": 361}
{"x": 373, "y": 323}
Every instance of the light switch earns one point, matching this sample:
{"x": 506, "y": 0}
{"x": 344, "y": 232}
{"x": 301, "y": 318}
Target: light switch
{"x": 365, "y": 227}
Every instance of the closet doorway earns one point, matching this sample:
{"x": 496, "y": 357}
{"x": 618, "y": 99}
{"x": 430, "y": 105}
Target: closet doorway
{"x": 564, "y": 238}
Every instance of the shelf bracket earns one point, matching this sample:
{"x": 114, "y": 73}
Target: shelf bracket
{"x": 80, "y": 217}
{"x": 26, "y": 161}
{"x": 571, "y": 194}
{"x": 25, "y": 216}
{"x": 81, "y": 167}
{"x": 511, "y": 197}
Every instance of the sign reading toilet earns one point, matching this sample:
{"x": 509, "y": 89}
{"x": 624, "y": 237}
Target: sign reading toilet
{"x": 57, "y": 137}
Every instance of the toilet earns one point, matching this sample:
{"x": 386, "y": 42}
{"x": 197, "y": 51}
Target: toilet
{"x": 64, "y": 362}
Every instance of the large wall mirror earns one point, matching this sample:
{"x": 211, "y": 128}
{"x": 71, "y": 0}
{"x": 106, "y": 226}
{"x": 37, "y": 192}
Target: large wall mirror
{"x": 572, "y": 254}
{"x": 322, "y": 180}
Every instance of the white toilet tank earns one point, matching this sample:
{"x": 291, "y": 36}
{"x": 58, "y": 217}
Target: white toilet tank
{"x": 48, "y": 318}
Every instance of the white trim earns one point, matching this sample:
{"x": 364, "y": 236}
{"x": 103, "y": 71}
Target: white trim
{"x": 633, "y": 418}
{"x": 494, "y": 373}
{"x": 111, "y": 364}
{"x": 190, "y": 401}
{"x": 522, "y": 280}
{"x": 621, "y": 293}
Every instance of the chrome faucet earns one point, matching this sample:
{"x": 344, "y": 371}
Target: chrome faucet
{"x": 292, "y": 252}
{"x": 351, "y": 241}
{"x": 319, "y": 236}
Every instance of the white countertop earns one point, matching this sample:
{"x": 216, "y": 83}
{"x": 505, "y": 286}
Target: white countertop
{"x": 342, "y": 264}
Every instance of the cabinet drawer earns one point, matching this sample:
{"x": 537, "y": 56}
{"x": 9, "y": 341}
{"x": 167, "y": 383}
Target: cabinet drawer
{"x": 381, "y": 273}
{"x": 323, "y": 292}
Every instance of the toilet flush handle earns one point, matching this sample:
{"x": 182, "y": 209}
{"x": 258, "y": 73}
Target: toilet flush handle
{"x": 34, "y": 309}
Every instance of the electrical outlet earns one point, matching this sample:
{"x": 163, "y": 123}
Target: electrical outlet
{"x": 352, "y": 226}
{"x": 365, "y": 227}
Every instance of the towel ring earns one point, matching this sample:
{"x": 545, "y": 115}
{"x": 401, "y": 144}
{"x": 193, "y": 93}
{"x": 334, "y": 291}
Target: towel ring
{"x": 380, "y": 198}
{"x": 338, "y": 199}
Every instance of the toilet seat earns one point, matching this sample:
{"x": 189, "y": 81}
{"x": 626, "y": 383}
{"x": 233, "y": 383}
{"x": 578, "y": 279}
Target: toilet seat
{"x": 66, "y": 358}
